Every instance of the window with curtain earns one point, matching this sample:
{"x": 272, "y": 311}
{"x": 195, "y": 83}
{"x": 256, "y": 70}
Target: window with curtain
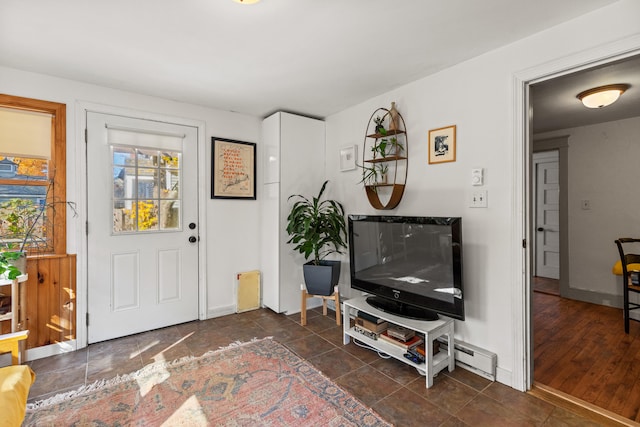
{"x": 32, "y": 175}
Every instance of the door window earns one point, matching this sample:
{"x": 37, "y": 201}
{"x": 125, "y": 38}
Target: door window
{"x": 146, "y": 189}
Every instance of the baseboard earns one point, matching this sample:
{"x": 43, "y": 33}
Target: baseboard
{"x": 504, "y": 376}
{"x": 220, "y": 311}
{"x": 311, "y": 303}
{"x": 51, "y": 350}
{"x": 580, "y": 407}
{"x": 593, "y": 297}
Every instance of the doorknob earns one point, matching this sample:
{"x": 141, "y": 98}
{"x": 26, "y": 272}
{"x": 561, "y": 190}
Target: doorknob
{"x": 540, "y": 229}
{"x": 192, "y": 239}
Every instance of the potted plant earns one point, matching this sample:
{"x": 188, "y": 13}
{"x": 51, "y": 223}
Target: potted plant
{"x": 395, "y": 147}
{"x": 317, "y": 228}
{"x": 374, "y": 174}
{"x": 380, "y": 148}
{"x": 7, "y": 268}
{"x": 379, "y": 122}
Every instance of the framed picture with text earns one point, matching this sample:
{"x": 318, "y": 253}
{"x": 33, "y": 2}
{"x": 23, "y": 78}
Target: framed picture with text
{"x": 442, "y": 145}
{"x": 233, "y": 169}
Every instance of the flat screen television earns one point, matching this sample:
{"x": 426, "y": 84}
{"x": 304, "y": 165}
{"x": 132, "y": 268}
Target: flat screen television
{"x": 411, "y": 266}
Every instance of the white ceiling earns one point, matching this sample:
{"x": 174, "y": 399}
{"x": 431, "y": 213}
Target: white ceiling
{"x": 309, "y": 57}
{"x": 555, "y": 105}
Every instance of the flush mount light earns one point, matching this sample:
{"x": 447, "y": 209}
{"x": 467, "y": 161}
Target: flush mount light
{"x": 246, "y": 1}
{"x": 602, "y": 96}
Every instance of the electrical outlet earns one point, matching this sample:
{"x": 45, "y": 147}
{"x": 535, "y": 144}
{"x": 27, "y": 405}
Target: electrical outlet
{"x": 478, "y": 199}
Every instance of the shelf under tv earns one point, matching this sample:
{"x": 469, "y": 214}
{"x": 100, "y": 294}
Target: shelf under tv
{"x": 432, "y": 330}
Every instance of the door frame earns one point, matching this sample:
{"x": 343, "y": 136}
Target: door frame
{"x": 81, "y": 108}
{"x": 522, "y": 374}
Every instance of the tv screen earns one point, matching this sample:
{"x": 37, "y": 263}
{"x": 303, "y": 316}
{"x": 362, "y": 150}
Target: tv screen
{"x": 412, "y": 266}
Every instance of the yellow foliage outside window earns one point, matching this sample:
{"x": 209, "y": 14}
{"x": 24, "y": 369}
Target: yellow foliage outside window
{"x": 147, "y": 215}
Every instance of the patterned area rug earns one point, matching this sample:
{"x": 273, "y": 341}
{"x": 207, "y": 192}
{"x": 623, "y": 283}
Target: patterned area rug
{"x": 253, "y": 384}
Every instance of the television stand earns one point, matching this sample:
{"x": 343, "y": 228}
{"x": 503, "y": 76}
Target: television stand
{"x": 432, "y": 330}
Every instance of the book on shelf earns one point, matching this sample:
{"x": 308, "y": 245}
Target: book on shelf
{"x": 371, "y": 326}
{"x": 412, "y": 342}
{"x": 369, "y": 317}
{"x": 436, "y": 348}
{"x": 401, "y": 332}
{"x": 366, "y": 332}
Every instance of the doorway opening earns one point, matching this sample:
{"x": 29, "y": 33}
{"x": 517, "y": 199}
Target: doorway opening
{"x": 578, "y": 347}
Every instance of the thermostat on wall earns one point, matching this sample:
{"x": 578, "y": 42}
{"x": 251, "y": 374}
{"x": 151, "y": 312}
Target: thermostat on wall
{"x": 476, "y": 176}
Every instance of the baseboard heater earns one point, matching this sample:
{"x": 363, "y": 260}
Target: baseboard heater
{"x": 474, "y": 359}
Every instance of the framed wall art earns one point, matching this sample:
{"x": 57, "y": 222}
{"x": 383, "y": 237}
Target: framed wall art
{"x": 233, "y": 169}
{"x": 442, "y": 145}
{"x": 348, "y": 157}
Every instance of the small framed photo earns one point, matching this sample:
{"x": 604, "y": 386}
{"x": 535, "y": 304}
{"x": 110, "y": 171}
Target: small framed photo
{"x": 348, "y": 157}
{"x": 233, "y": 169}
{"x": 442, "y": 145}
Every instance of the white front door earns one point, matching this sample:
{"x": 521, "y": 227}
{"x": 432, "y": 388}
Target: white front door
{"x": 142, "y": 225}
{"x": 547, "y": 214}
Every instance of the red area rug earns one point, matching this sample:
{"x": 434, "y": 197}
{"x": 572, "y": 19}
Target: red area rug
{"x": 252, "y": 384}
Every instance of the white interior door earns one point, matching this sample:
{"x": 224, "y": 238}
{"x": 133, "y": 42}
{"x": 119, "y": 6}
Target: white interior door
{"x": 142, "y": 225}
{"x": 547, "y": 214}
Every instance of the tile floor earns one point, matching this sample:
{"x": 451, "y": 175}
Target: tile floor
{"x": 395, "y": 390}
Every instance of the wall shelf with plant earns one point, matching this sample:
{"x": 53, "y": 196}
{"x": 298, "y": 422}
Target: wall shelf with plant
{"x": 385, "y": 158}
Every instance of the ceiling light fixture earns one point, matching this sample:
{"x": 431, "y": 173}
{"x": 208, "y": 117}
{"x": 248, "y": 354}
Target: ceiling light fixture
{"x": 602, "y": 96}
{"x": 246, "y": 1}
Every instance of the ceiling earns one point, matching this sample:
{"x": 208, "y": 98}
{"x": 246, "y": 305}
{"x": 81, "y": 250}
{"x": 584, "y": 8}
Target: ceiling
{"x": 308, "y": 57}
{"x": 555, "y": 105}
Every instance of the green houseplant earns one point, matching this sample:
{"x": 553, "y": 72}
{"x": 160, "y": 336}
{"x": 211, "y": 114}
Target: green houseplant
{"x": 317, "y": 229}
{"x": 379, "y": 122}
{"x": 7, "y": 268}
{"x": 374, "y": 174}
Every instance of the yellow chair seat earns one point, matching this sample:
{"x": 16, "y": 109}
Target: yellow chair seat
{"x": 617, "y": 268}
{"x": 15, "y": 382}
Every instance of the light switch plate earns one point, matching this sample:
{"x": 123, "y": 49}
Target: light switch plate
{"x": 478, "y": 199}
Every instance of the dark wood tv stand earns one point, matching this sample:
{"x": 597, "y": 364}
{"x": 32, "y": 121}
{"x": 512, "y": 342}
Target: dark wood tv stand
{"x": 432, "y": 330}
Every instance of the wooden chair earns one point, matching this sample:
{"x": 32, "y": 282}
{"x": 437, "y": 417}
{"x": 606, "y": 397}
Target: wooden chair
{"x": 335, "y": 297}
{"x": 11, "y": 343}
{"x": 630, "y": 264}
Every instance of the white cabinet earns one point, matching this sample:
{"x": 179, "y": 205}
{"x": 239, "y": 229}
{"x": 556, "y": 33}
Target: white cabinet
{"x": 293, "y": 149}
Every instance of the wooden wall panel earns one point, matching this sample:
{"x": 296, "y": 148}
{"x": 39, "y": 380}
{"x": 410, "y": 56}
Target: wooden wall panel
{"x": 51, "y": 291}
{"x": 40, "y": 284}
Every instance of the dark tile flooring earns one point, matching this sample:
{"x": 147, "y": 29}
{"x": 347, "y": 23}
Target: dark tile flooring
{"x": 395, "y": 390}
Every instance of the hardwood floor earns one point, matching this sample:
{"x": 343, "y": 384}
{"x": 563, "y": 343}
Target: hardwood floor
{"x": 545, "y": 285}
{"x": 581, "y": 349}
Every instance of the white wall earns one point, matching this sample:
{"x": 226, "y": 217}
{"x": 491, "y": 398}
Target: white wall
{"x": 603, "y": 164}
{"x": 478, "y": 97}
{"x": 232, "y": 227}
